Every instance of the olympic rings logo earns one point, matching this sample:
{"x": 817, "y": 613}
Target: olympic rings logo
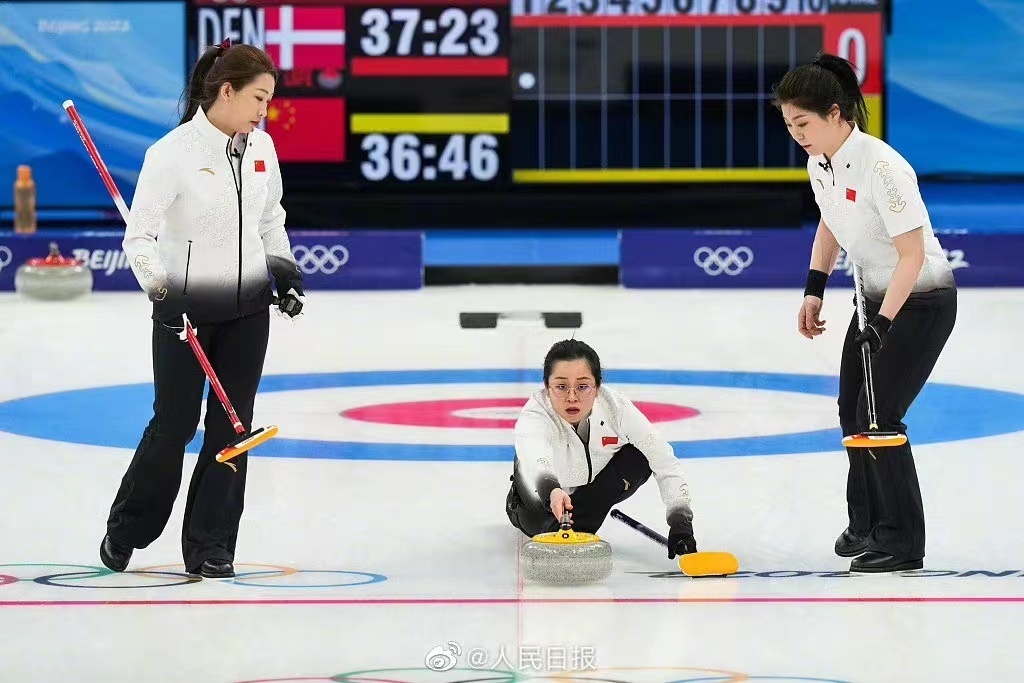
{"x": 5, "y": 257}
{"x": 162, "y": 576}
{"x": 723, "y": 260}
{"x": 320, "y": 259}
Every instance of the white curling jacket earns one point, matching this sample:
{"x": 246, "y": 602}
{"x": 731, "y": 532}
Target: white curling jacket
{"x": 551, "y": 455}
{"x": 868, "y": 194}
{"x": 206, "y": 222}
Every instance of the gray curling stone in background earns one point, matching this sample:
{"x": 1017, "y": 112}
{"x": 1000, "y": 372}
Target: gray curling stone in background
{"x": 53, "y": 278}
{"x": 566, "y": 557}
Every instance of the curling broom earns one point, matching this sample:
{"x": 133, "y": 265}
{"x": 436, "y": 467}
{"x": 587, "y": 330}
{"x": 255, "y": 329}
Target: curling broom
{"x": 872, "y": 438}
{"x": 245, "y": 440}
{"x": 701, "y": 563}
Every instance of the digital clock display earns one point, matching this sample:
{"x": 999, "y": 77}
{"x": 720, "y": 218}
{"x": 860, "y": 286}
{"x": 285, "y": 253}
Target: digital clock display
{"x": 448, "y": 32}
{"x": 408, "y": 157}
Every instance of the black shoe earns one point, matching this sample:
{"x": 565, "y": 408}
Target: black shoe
{"x": 850, "y": 544}
{"x": 875, "y": 562}
{"x": 215, "y": 569}
{"x": 113, "y": 556}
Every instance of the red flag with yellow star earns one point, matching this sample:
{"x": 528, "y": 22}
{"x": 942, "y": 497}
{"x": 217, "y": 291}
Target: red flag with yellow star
{"x": 308, "y": 128}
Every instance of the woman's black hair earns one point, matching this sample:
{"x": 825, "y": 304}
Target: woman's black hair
{"x": 826, "y": 81}
{"x": 238, "y": 65}
{"x": 572, "y": 349}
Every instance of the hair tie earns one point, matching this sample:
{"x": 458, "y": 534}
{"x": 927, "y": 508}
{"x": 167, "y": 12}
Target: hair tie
{"x": 224, "y": 46}
{"x": 826, "y": 67}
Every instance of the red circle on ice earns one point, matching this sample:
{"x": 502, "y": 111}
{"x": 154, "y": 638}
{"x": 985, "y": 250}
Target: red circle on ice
{"x": 482, "y": 413}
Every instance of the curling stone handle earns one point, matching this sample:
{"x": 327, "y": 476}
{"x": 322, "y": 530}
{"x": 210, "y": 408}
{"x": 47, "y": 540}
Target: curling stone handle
{"x": 566, "y": 522}
{"x": 646, "y": 531}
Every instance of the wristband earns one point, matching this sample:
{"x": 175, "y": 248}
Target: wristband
{"x": 815, "y": 286}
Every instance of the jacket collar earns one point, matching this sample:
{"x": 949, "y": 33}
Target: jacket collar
{"x": 209, "y": 131}
{"x": 848, "y": 150}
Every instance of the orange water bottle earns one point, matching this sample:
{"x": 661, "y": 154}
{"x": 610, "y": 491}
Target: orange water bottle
{"x": 24, "y": 201}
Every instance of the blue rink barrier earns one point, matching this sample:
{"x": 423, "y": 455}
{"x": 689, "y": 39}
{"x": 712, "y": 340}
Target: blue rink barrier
{"x": 647, "y": 258}
{"x": 328, "y": 260}
{"x": 779, "y": 258}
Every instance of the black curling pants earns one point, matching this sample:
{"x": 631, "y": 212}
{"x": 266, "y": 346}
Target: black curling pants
{"x": 213, "y": 509}
{"x": 882, "y": 492}
{"x": 627, "y": 470}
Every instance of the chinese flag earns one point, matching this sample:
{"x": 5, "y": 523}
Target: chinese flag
{"x": 306, "y": 37}
{"x": 308, "y": 128}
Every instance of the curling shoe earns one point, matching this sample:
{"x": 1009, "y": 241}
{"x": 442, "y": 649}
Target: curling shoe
{"x": 113, "y": 556}
{"x": 215, "y": 569}
{"x": 850, "y": 544}
{"x": 875, "y": 562}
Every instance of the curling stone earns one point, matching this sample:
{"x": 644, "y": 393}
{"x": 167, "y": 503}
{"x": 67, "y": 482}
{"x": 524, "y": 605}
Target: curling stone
{"x": 566, "y": 556}
{"x": 54, "y": 278}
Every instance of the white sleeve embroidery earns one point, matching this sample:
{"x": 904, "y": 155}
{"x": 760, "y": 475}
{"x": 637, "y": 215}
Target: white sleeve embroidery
{"x": 897, "y": 198}
{"x": 154, "y": 193}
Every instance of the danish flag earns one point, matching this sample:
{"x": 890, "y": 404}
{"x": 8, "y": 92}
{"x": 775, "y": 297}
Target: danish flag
{"x": 306, "y": 37}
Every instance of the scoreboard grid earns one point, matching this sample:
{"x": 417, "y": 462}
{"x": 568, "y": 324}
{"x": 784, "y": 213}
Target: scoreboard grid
{"x": 541, "y": 100}
{"x": 723, "y": 105}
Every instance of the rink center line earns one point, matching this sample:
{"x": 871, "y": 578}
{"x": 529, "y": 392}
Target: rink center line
{"x": 938, "y": 599}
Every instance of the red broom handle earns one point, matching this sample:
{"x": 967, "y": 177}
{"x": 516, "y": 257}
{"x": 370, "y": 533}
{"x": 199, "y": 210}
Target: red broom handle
{"x": 190, "y": 336}
{"x": 94, "y": 153}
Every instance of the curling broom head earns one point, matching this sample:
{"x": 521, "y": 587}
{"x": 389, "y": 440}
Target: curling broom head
{"x": 246, "y": 442}
{"x": 709, "y": 563}
{"x": 874, "y": 439}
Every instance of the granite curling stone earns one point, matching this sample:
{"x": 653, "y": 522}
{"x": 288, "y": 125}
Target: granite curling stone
{"x": 566, "y": 557}
{"x": 54, "y": 278}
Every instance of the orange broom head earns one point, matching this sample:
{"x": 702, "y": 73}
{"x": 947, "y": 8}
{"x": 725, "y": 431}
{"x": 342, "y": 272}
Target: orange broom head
{"x": 874, "y": 439}
{"x": 250, "y": 441}
{"x": 707, "y": 563}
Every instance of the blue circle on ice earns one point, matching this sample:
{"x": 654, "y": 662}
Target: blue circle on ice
{"x": 115, "y": 416}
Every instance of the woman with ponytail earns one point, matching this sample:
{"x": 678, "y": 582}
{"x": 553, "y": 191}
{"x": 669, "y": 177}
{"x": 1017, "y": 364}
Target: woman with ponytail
{"x": 205, "y": 229}
{"x": 871, "y": 206}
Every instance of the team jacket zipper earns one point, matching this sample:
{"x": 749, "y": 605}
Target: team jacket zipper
{"x": 238, "y": 189}
{"x": 188, "y": 260}
{"x": 827, "y": 166}
{"x": 590, "y": 464}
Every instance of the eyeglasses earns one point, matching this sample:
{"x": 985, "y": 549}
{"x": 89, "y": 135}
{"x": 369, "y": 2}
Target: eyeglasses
{"x": 562, "y": 390}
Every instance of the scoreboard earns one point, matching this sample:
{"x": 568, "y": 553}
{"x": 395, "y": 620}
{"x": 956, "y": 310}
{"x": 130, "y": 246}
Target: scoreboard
{"x": 672, "y": 90}
{"x": 508, "y": 95}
